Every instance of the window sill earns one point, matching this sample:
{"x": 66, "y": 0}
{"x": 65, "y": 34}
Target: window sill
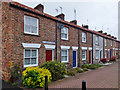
{"x": 31, "y": 34}
{"x": 83, "y": 59}
{"x": 64, "y": 61}
{"x": 64, "y": 39}
{"x": 25, "y": 66}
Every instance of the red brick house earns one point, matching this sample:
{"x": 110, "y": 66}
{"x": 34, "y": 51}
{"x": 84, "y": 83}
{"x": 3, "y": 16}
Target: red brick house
{"x": 31, "y": 37}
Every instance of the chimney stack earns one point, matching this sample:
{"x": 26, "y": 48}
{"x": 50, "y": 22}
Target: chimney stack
{"x": 85, "y": 26}
{"x": 115, "y": 38}
{"x": 100, "y": 31}
{"x": 112, "y": 36}
{"x": 74, "y": 22}
{"x": 61, "y": 16}
{"x": 40, "y": 8}
{"x": 109, "y": 35}
{"x": 105, "y": 33}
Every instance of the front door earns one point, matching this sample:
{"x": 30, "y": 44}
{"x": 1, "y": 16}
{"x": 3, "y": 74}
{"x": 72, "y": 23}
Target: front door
{"x": 48, "y": 55}
{"x": 89, "y": 57}
{"x": 100, "y": 54}
{"x": 74, "y": 58}
{"x": 110, "y": 53}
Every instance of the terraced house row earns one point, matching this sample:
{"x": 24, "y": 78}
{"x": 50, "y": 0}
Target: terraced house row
{"x": 31, "y": 37}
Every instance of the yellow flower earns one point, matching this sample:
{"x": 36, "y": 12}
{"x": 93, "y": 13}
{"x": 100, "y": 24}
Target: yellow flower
{"x": 11, "y": 64}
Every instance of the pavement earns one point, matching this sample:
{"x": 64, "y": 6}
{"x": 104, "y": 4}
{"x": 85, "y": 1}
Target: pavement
{"x": 103, "y": 77}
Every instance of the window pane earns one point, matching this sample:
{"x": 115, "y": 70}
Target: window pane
{"x": 33, "y": 61}
{"x": 34, "y": 53}
{"x": 27, "y": 61}
{"x": 27, "y": 53}
{"x": 63, "y": 58}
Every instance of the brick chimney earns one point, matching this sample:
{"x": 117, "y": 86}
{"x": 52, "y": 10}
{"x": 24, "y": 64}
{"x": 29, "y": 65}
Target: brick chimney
{"x": 40, "y": 8}
{"x": 109, "y": 35}
{"x": 85, "y": 26}
{"x": 100, "y": 31}
{"x": 61, "y": 16}
{"x": 112, "y": 36}
{"x": 115, "y": 38}
{"x": 74, "y": 22}
{"x": 105, "y": 33}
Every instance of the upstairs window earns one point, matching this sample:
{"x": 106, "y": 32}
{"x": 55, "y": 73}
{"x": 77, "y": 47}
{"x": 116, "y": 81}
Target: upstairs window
{"x": 115, "y": 43}
{"x": 111, "y": 42}
{"x": 83, "y": 37}
{"x": 105, "y": 42}
{"x": 96, "y": 39}
{"x": 64, "y": 33}
{"x": 31, "y": 25}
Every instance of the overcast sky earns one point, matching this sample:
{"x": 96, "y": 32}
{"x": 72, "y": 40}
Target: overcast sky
{"x": 98, "y": 14}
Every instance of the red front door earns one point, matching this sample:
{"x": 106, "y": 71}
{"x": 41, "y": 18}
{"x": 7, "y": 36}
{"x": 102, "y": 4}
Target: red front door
{"x": 48, "y": 55}
{"x": 89, "y": 57}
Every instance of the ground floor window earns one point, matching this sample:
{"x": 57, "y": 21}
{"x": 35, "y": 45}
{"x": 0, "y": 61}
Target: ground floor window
{"x": 30, "y": 57}
{"x": 83, "y": 54}
{"x": 64, "y": 55}
{"x": 105, "y": 53}
{"x": 97, "y": 54}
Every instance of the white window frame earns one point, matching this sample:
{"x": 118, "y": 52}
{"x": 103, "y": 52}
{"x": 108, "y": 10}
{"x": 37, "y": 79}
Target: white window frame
{"x": 83, "y": 36}
{"x": 64, "y": 33}
{"x": 111, "y": 43}
{"x": 105, "y": 42}
{"x": 67, "y": 56}
{"x": 97, "y": 40}
{"x": 37, "y": 26}
{"x": 85, "y": 54}
{"x": 30, "y": 56}
{"x": 97, "y": 56}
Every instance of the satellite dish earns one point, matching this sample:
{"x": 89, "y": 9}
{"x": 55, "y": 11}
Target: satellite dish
{"x": 60, "y": 26}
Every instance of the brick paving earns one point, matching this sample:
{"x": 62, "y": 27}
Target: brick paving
{"x": 104, "y": 77}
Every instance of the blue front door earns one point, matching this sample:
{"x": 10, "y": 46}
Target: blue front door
{"x": 110, "y": 53}
{"x": 74, "y": 59}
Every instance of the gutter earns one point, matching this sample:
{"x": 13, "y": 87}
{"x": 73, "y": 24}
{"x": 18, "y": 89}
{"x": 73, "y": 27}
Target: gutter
{"x": 56, "y": 43}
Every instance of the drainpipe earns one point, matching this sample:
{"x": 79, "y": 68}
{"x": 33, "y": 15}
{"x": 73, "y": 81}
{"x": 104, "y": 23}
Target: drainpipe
{"x": 56, "y": 43}
{"x": 92, "y": 48}
{"x": 103, "y": 48}
{"x": 78, "y": 47}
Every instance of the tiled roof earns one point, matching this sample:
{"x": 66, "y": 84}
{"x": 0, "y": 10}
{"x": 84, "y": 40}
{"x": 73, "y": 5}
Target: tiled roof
{"x": 55, "y": 18}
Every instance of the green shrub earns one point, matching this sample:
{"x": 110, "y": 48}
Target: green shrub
{"x": 97, "y": 66}
{"x": 35, "y": 77}
{"x": 85, "y": 66}
{"x": 57, "y": 69}
{"x": 92, "y": 66}
{"x": 15, "y": 72}
{"x": 71, "y": 72}
{"x": 79, "y": 70}
{"x": 85, "y": 69}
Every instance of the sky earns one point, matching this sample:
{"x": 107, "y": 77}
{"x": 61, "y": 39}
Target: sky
{"x": 98, "y": 14}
